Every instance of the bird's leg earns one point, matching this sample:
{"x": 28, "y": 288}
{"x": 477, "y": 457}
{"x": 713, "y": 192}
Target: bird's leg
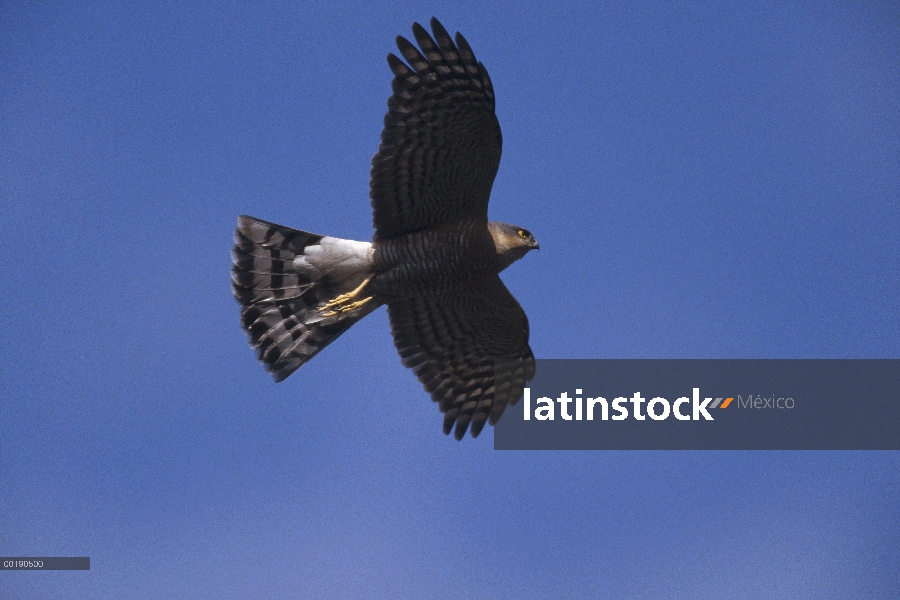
{"x": 344, "y": 308}
{"x": 338, "y": 300}
{"x": 343, "y": 303}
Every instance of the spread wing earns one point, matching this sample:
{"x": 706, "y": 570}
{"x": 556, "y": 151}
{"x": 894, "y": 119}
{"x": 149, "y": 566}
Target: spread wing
{"x": 453, "y": 341}
{"x": 440, "y": 148}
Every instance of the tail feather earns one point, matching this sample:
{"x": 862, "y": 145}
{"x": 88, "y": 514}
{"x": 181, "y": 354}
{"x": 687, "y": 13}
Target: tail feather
{"x": 282, "y": 277}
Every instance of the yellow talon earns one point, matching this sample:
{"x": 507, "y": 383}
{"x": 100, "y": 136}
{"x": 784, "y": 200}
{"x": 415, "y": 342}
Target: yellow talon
{"x": 345, "y": 308}
{"x": 342, "y": 303}
{"x": 356, "y": 304}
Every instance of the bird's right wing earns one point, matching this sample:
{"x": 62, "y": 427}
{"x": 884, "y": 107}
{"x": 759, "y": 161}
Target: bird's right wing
{"x": 453, "y": 342}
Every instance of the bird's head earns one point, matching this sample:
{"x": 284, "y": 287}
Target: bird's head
{"x": 512, "y": 242}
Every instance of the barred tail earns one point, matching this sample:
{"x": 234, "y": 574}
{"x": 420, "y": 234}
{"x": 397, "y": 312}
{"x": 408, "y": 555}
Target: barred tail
{"x": 282, "y": 278}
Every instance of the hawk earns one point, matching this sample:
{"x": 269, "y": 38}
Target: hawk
{"x": 434, "y": 259}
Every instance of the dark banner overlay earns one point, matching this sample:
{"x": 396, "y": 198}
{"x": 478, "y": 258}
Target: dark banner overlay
{"x": 661, "y": 404}
{"x": 45, "y": 563}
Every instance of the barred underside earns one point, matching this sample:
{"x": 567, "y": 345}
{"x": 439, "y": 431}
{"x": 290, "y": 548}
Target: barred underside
{"x": 454, "y": 322}
{"x": 281, "y": 292}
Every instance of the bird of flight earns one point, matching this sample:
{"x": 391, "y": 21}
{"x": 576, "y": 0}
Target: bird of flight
{"x": 434, "y": 259}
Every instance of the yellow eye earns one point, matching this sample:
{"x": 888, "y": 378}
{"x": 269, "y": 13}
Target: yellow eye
{"x": 524, "y": 233}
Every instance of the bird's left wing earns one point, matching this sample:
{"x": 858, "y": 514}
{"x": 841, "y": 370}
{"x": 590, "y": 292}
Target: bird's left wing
{"x": 440, "y": 147}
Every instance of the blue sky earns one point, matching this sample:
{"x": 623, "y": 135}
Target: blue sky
{"x": 704, "y": 183}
